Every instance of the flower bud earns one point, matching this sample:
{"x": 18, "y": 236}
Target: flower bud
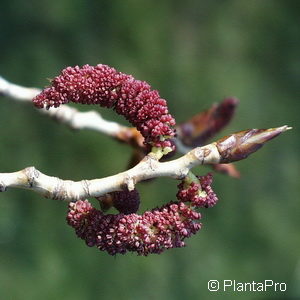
{"x": 201, "y": 127}
{"x": 240, "y": 145}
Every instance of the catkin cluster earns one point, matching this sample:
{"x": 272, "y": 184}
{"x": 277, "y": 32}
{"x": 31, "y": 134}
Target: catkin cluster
{"x": 160, "y": 228}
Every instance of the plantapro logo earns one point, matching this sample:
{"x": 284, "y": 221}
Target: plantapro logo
{"x": 228, "y": 285}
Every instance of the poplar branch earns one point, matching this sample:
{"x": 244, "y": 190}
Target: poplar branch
{"x": 235, "y": 147}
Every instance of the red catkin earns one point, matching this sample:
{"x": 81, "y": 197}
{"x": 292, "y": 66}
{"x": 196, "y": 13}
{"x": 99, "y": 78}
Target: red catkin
{"x": 199, "y": 194}
{"x": 152, "y": 232}
{"x": 103, "y": 85}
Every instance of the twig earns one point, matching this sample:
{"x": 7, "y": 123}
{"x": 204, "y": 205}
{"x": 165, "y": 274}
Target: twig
{"x": 232, "y": 148}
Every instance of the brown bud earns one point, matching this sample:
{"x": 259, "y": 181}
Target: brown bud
{"x": 227, "y": 169}
{"x": 240, "y": 145}
{"x": 106, "y": 202}
{"x": 197, "y": 130}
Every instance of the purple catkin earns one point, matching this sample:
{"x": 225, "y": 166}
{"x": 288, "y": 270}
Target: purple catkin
{"x": 103, "y": 85}
{"x": 191, "y": 193}
{"x": 153, "y": 232}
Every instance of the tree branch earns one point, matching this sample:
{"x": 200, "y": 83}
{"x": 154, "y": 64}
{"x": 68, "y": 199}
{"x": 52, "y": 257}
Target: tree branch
{"x": 149, "y": 167}
{"x": 235, "y": 147}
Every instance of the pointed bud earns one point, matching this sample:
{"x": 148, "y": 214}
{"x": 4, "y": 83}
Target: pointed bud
{"x": 240, "y": 145}
{"x": 197, "y": 130}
